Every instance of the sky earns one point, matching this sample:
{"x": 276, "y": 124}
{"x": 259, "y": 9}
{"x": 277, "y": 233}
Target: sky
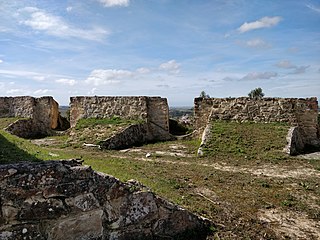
{"x": 168, "y": 48}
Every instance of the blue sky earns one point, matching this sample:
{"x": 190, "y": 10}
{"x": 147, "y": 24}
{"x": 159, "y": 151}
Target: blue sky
{"x": 168, "y": 48}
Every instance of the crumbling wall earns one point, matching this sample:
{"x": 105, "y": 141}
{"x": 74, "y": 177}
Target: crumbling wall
{"x": 42, "y": 115}
{"x": 107, "y": 107}
{"x": 298, "y": 112}
{"x": 158, "y": 118}
{"x": 17, "y": 107}
{"x": 153, "y": 111}
{"x": 64, "y": 200}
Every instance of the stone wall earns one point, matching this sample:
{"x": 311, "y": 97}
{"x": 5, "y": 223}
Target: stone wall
{"x": 298, "y": 112}
{"x": 42, "y": 114}
{"x": 152, "y": 110}
{"x": 65, "y": 200}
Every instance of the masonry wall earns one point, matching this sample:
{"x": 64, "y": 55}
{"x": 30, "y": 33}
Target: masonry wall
{"x": 153, "y": 110}
{"x": 298, "y": 112}
{"x": 42, "y": 114}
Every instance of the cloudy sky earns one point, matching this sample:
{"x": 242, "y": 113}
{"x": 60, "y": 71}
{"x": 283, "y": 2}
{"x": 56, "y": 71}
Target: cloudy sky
{"x": 168, "y": 48}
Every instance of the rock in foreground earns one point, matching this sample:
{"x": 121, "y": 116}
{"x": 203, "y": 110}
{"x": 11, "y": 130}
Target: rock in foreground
{"x": 65, "y": 200}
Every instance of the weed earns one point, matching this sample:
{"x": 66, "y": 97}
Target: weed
{"x": 290, "y": 201}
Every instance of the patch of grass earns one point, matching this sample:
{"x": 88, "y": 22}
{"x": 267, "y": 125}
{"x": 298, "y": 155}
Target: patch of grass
{"x": 248, "y": 140}
{"x": 5, "y": 122}
{"x": 92, "y": 122}
{"x": 14, "y": 149}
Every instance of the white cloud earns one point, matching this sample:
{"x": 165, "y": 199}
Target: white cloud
{"x": 107, "y": 76}
{"x": 69, "y": 9}
{"x": 17, "y": 91}
{"x": 257, "y": 43}
{"x": 286, "y": 64}
{"x": 1, "y": 61}
{"x": 313, "y": 8}
{"x": 41, "y": 91}
{"x": 259, "y": 75}
{"x": 171, "y": 66}
{"x": 143, "y": 70}
{"x": 300, "y": 69}
{"x": 21, "y": 73}
{"x": 66, "y": 81}
{"x": 40, "y": 20}
{"x": 92, "y": 91}
{"x": 115, "y": 3}
{"x": 264, "y": 22}
{"x": 39, "y": 78}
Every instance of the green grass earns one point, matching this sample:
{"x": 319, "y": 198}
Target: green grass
{"x": 14, "y": 149}
{"x": 92, "y": 122}
{"x": 5, "y": 122}
{"x": 248, "y": 140}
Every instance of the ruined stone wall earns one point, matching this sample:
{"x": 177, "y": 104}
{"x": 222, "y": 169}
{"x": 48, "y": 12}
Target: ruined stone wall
{"x": 57, "y": 200}
{"x": 153, "y": 110}
{"x": 42, "y": 114}
{"x": 298, "y": 112}
{"x": 107, "y": 107}
{"x": 17, "y": 107}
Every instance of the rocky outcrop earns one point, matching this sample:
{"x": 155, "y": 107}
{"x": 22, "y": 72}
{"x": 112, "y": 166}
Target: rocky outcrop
{"x": 65, "y": 200}
{"x": 41, "y": 115}
{"x": 297, "y": 112}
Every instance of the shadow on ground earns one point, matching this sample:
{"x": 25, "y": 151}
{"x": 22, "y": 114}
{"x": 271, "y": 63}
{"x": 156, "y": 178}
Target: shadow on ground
{"x": 10, "y": 153}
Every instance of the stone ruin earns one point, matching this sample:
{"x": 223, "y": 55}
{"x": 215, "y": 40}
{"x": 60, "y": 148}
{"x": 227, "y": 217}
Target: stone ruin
{"x": 301, "y": 114}
{"x": 153, "y": 112}
{"x": 65, "y": 200}
{"x": 40, "y": 115}
{"x": 58, "y": 200}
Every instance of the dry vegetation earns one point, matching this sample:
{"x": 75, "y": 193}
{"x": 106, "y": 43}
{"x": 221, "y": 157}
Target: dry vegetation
{"x": 246, "y": 185}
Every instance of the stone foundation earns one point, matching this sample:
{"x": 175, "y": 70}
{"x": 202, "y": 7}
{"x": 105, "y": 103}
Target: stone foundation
{"x": 65, "y": 200}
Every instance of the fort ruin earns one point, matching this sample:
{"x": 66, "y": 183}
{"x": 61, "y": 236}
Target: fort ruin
{"x": 57, "y": 199}
{"x": 301, "y": 114}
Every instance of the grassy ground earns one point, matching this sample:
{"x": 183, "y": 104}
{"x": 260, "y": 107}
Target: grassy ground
{"x": 246, "y": 185}
{"x": 92, "y": 130}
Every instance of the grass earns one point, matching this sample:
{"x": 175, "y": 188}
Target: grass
{"x": 216, "y": 186}
{"x": 14, "y": 149}
{"x": 92, "y": 122}
{"x": 5, "y": 122}
{"x": 94, "y": 130}
{"x": 247, "y": 140}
